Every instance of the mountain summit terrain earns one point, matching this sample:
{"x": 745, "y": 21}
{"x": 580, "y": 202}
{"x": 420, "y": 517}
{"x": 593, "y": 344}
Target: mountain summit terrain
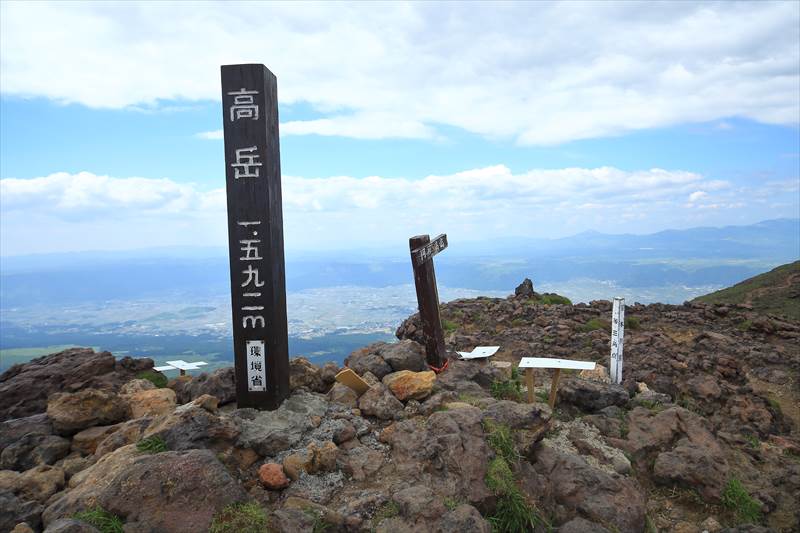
{"x": 701, "y": 435}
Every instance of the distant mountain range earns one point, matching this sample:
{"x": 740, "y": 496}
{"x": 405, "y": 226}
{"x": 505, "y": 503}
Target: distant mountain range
{"x": 696, "y": 257}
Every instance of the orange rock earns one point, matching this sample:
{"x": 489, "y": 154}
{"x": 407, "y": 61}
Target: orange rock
{"x": 408, "y": 385}
{"x": 272, "y": 476}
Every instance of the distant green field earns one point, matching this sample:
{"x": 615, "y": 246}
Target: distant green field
{"x": 776, "y": 292}
{"x": 12, "y": 356}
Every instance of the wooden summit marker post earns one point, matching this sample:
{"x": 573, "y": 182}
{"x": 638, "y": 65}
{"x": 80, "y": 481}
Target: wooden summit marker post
{"x": 255, "y": 235}
{"x": 422, "y": 252}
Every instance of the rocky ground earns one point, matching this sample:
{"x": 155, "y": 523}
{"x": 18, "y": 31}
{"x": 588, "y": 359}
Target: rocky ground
{"x": 701, "y": 436}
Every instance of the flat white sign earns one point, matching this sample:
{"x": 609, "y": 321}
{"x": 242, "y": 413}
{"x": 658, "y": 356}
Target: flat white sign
{"x": 547, "y": 362}
{"x": 256, "y": 366}
{"x": 479, "y": 352}
{"x": 617, "y": 340}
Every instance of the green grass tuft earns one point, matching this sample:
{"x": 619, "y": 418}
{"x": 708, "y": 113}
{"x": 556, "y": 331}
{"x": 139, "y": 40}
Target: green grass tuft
{"x": 451, "y": 503}
{"x": 156, "y": 378}
{"x": 550, "y": 298}
{"x": 449, "y": 326}
{"x": 745, "y": 325}
{"x": 508, "y": 389}
{"x": 240, "y": 518}
{"x": 501, "y": 440}
{"x": 512, "y": 513}
{"x": 154, "y": 444}
{"x": 389, "y": 509}
{"x": 101, "y": 519}
{"x": 736, "y": 499}
{"x": 753, "y": 441}
{"x": 595, "y": 324}
{"x": 518, "y": 322}
{"x": 632, "y": 323}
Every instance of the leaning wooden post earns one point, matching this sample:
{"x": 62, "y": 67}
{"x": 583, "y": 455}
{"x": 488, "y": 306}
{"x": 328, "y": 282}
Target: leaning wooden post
{"x": 255, "y": 235}
{"x": 422, "y": 252}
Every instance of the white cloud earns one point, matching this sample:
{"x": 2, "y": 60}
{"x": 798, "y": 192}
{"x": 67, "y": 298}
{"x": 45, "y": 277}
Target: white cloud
{"x": 84, "y": 211}
{"x": 537, "y": 73}
{"x": 697, "y": 195}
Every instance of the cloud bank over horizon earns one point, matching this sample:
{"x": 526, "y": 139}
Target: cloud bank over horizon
{"x": 65, "y": 212}
{"x": 530, "y": 74}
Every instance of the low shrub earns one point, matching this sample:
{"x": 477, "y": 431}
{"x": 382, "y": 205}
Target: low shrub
{"x": 632, "y": 323}
{"x": 595, "y": 324}
{"x": 550, "y": 298}
{"x": 156, "y": 378}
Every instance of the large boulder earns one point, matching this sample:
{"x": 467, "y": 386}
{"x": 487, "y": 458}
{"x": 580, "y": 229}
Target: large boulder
{"x": 302, "y": 373}
{"x": 193, "y": 426}
{"x": 86, "y": 441}
{"x": 379, "y": 402}
{"x": 32, "y": 450}
{"x": 15, "y": 428}
{"x": 14, "y": 510}
{"x": 122, "y": 435}
{"x": 220, "y": 383}
{"x": 528, "y": 421}
{"x": 37, "y": 484}
{"x": 683, "y": 447}
{"x": 448, "y": 454}
{"x": 368, "y": 359}
{"x": 592, "y": 491}
{"x": 25, "y": 388}
{"x": 169, "y": 491}
{"x": 408, "y": 385}
{"x": 72, "y": 412}
{"x": 404, "y": 355}
{"x": 591, "y": 396}
{"x": 151, "y": 402}
{"x": 269, "y": 432}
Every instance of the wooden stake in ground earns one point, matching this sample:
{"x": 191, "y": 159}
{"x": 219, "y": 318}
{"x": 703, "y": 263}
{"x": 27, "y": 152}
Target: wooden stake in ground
{"x": 422, "y": 252}
{"x": 255, "y": 235}
{"x": 617, "y": 340}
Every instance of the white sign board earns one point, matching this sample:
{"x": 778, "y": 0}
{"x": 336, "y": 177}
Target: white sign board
{"x": 256, "y": 366}
{"x": 617, "y": 340}
{"x": 180, "y": 365}
{"x": 479, "y": 352}
{"x": 547, "y": 362}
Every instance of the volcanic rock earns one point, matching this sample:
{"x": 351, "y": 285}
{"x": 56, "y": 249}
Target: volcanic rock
{"x": 25, "y": 388}
{"x": 72, "y": 412}
{"x": 408, "y": 385}
{"x": 133, "y": 486}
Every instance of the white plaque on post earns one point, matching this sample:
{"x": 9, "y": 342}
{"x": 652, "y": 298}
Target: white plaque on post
{"x": 256, "y": 367}
{"x": 617, "y": 339}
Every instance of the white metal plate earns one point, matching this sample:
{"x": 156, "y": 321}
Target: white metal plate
{"x": 256, "y": 366}
{"x": 479, "y": 352}
{"x": 547, "y": 362}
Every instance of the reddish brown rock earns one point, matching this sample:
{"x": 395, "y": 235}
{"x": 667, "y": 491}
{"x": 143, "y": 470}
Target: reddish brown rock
{"x": 272, "y": 477}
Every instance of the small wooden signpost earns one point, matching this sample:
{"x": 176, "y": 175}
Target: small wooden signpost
{"x": 617, "y": 340}
{"x": 529, "y": 363}
{"x": 255, "y": 235}
{"x": 422, "y": 251}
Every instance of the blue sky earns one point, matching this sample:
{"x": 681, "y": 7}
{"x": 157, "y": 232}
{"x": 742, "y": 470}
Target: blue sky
{"x": 516, "y": 119}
